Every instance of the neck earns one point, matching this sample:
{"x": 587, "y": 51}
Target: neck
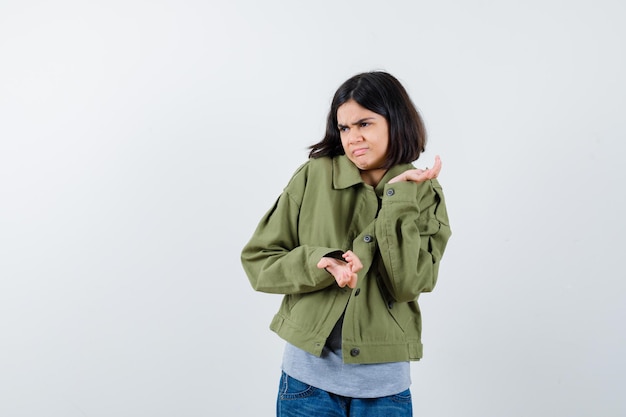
{"x": 373, "y": 176}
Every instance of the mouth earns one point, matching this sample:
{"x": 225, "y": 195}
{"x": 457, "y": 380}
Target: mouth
{"x": 359, "y": 152}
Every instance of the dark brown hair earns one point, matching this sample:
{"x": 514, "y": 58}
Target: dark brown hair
{"x": 383, "y": 94}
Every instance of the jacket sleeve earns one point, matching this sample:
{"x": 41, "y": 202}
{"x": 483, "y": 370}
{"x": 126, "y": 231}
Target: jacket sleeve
{"x": 412, "y": 230}
{"x": 274, "y": 260}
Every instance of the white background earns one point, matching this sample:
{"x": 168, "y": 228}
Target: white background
{"x": 141, "y": 141}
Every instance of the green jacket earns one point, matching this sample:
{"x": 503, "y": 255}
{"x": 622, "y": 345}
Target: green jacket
{"x": 399, "y": 231}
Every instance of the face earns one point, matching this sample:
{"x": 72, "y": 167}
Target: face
{"x": 364, "y": 137}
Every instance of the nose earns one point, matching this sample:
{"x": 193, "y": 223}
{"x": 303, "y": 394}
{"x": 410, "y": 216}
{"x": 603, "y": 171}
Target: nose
{"x": 354, "y": 136}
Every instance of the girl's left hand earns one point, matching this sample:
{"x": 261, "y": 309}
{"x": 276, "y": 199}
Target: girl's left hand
{"x": 345, "y": 273}
{"x": 419, "y": 175}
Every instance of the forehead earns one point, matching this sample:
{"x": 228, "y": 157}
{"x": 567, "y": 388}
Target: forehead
{"x": 351, "y": 112}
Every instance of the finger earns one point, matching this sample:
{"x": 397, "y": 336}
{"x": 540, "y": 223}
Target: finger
{"x": 356, "y": 265}
{"x": 437, "y": 167}
{"x": 431, "y": 172}
{"x": 343, "y": 281}
{"x": 419, "y": 176}
{"x": 353, "y": 281}
{"x": 323, "y": 263}
{"x": 354, "y": 261}
{"x": 351, "y": 258}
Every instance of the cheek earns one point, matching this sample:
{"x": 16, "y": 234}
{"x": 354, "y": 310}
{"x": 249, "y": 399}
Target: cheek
{"x": 344, "y": 143}
{"x": 385, "y": 141}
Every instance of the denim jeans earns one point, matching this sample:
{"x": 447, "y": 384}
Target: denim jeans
{"x": 297, "y": 399}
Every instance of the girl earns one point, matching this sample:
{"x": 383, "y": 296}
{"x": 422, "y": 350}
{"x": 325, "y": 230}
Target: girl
{"x": 354, "y": 239}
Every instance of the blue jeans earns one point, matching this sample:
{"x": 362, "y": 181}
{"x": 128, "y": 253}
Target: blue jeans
{"x": 297, "y": 399}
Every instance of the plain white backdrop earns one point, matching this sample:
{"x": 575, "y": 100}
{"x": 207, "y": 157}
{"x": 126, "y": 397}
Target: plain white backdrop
{"x": 141, "y": 141}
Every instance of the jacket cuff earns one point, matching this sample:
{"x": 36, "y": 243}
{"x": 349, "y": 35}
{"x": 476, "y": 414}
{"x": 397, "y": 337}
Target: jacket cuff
{"x": 405, "y": 191}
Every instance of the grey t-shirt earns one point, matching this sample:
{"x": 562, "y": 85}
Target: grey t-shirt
{"x": 329, "y": 373}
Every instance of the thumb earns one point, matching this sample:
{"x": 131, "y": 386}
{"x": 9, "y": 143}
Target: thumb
{"x": 323, "y": 263}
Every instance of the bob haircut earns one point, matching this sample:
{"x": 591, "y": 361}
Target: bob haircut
{"x": 383, "y": 94}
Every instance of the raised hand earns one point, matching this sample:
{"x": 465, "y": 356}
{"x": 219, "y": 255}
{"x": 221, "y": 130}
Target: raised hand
{"x": 419, "y": 175}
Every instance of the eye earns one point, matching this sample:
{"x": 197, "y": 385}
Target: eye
{"x": 343, "y": 129}
{"x": 364, "y": 124}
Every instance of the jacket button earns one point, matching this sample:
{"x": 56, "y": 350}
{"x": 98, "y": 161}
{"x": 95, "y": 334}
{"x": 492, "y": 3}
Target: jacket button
{"x": 355, "y": 352}
{"x": 390, "y": 192}
{"x": 367, "y": 238}
{"x": 357, "y": 292}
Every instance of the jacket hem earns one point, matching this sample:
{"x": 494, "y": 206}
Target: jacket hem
{"x": 354, "y": 353}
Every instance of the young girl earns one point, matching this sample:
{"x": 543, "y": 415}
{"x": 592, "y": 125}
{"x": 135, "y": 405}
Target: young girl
{"x": 354, "y": 239}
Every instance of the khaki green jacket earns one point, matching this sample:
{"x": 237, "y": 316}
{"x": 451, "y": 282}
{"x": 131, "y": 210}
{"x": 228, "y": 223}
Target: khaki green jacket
{"x": 399, "y": 231}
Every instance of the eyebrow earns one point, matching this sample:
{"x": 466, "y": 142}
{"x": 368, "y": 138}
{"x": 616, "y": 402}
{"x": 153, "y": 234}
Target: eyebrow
{"x": 357, "y": 122}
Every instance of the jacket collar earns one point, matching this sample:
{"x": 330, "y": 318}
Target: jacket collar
{"x": 346, "y": 174}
